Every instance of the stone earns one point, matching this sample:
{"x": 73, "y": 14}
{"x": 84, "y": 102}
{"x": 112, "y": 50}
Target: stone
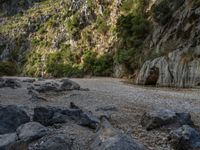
{"x": 67, "y": 84}
{"x": 31, "y": 131}
{"x": 7, "y": 139}
{"x": 165, "y": 117}
{"x": 43, "y": 115}
{"x": 47, "y": 87}
{"x": 11, "y": 117}
{"x": 29, "y": 80}
{"x": 49, "y": 116}
{"x": 9, "y": 82}
{"x": 107, "y": 108}
{"x": 109, "y": 138}
{"x": 56, "y": 142}
{"x": 185, "y": 138}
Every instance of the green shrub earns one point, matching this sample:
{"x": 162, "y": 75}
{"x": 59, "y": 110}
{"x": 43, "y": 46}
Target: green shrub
{"x": 103, "y": 65}
{"x": 97, "y": 66}
{"x": 131, "y": 30}
{"x": 8, "y": 68}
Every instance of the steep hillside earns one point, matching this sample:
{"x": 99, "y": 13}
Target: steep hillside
{"x": 155, "y": 42}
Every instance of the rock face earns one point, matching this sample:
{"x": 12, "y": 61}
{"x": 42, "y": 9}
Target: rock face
{"x": 170, "y": 72}
{"x": 56, "y": 142}
{"x": 31, "y": 131}
{"x": 176, "y": 42}
{"x": 109, "y": 138}
{"x": 50, "y": 116}
{"x": 185, "y": 138}
{"x": 11, "y": 117}
{"x": 164, "y": 117}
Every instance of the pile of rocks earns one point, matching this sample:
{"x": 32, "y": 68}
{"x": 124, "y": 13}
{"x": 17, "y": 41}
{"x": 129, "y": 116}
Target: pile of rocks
{"x": 182, "y": 135}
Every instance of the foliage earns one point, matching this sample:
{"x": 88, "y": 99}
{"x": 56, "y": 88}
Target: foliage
{"x": 132, "y": 31}
{"x": 8, "y": 68}
{"x": 101, "y": 25}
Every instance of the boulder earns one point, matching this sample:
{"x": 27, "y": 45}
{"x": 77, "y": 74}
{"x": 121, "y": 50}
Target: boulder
{"x": 7, "y": 139}
{"x": 49, "y": 116}
{"x": 31, "y": 131}
{"x": 67, "y": 84}
{"x": 55, "y": 86}
{"x": 11, "y": 117}
{"x": 9, "y": 82}
{"x": 56, "y": 142}
{"x": 165, "y": 117}
{"x": 109, "y": 138}
{"x": 47, "y": 87}
{"x": 185, "y": 138}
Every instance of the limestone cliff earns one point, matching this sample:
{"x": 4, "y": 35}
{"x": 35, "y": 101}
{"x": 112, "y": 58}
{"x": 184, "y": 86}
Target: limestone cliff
{"x": 177, "y": 42}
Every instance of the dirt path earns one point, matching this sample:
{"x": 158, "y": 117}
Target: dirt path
{"x": 131, "y": 102}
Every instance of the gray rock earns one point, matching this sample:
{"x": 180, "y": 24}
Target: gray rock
{"x": 29, "y": 80}
{"x": 11, "y": 117}
{"x": 31, "y": 131}
{"x": 67, "y": 84}
{"x": 47, "y": 87}
{"x": 107, "y": 108}
{"x": 8, "y": 82}
{"x": 109, "y": 138}
{"x": 7, "y": 139}
{"x": 56, "y": 142}
{"x": 185, "y": 138}
{"x": 165, "y": 117}
{"x": 49, "y": 116}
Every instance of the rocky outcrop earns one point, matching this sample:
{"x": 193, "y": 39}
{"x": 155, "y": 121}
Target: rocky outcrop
{"x": 165, "y": 117}
{"x": 185, "y": 138}
{"x": 177, "y": 43}
{"x": 172, "y": 71}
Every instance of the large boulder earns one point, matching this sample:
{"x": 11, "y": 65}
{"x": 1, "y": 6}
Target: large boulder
{"x": 49, "y": 116}
{"x": 165, "y": 117}
{"x": 109, "y": 138}
{"x": 56, "y": 142}
{"x": 11, "y": 117}
{"x": 7, "y": 139}
{"x": 185, "y": 138}
{"x": 31, "y": 131}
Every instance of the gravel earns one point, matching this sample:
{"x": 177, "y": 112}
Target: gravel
{"x": 131, "y": 102}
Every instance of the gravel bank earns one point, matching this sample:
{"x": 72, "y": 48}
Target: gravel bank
{"x": 130, "y": 101}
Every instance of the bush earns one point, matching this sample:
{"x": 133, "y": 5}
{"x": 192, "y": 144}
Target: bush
{"x": 8, "y": 68}
{"x": 131, "y": 30}
{"x": 97, "y": 66}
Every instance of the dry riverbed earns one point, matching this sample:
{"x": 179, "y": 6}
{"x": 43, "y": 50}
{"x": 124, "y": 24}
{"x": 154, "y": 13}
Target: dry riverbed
{"x": 126, "y": 104}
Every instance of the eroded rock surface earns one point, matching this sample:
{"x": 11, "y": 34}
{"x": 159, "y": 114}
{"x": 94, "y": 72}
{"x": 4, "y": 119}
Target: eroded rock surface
{"x": 31, "y": 131}
{"x": 11, "y": 117}
{"x": 109, "y": 138}
{"x": 185, "y": 138}
{"x": 165, "y": 117}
